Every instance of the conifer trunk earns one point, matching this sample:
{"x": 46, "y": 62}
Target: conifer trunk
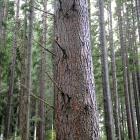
{"x": 23, "y": 91}
{"x": 75, "y": 102}
{"x": 29, "y": 69}
{"x": 12, "y": 75}
{"x": 109, "y": 123}
{"x": 41, "y": 133}
{"x": 125, "y": 78}
{"x": 26, "y": 83}
{"x": 114, "y": 80}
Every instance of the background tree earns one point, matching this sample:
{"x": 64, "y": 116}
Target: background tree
{"x": 42, "y": 111}
{"x": 109, "y": 122}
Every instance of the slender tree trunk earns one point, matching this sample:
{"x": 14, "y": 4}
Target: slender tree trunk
{"x": 43, "y": 78}
{"x": 132, "y": 108}
{"x": 1, "y": 22}
{"x": 35, "y": 124}
{"x": 131, "y": 102}
{"x": 128, "y": 47}
{"x": 26, "y": 76}
{"x": 109, "y": 123}
{"x": 16, "y": 125}
{"x": 75, "y": 102}
{"x": 135, "y": 70}
{"x": 137, "y": 102}
{"x": 23, "y": 92}
{"x": 122, "y": 120}
{"x": 125, "y": 78}
{"x": 29, "y": 69}
{"x": 137, "y": 3}
{"x": 0, "y": 76}
{"x": 3, "y": 19}
{"x": 12, "y": 76}
{"x": 114, "y": 80}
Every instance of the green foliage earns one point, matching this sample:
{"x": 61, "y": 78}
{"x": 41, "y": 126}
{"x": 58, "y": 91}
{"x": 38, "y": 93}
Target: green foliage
{"x": 50, "y": 135}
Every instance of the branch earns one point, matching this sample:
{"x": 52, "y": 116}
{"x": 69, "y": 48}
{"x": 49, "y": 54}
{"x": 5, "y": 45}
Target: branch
{"x": 43, "y": 11}
{"x": 60, "y": 2}
{"x": 63, "y": 50}
{"x": 35, "y": 96}
{"x": 4, "y": 90}
{"x": 54, "y": 82}
{"x": 44, "y": 48}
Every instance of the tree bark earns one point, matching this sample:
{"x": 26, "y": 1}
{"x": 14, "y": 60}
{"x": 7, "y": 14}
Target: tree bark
{"x": 75, "y": 102}
{"x": 109, "y": 123}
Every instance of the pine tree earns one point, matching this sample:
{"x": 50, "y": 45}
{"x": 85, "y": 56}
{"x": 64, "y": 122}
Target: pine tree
{"x": 12, "y": 74}
{"x": 125, "y": 78}
{"x": 41, "y": 129}
{"x": 76, "y": 114}
{"x": 114, "y": 78}
{"x": 109, "y": 123}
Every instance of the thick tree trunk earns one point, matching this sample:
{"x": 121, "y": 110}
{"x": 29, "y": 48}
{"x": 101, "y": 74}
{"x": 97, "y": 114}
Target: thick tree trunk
{"x": 125, "y": 78}
{"x": 114, "y": 80}
{"x": 41, "y": 133}
{"x": 12, "y": 75}
{"x": 75, "y": 102}
{"x": 109, "y": 123}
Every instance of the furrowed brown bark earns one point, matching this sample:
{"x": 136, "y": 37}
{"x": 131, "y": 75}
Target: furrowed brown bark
{"x": 75, "y": 102}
